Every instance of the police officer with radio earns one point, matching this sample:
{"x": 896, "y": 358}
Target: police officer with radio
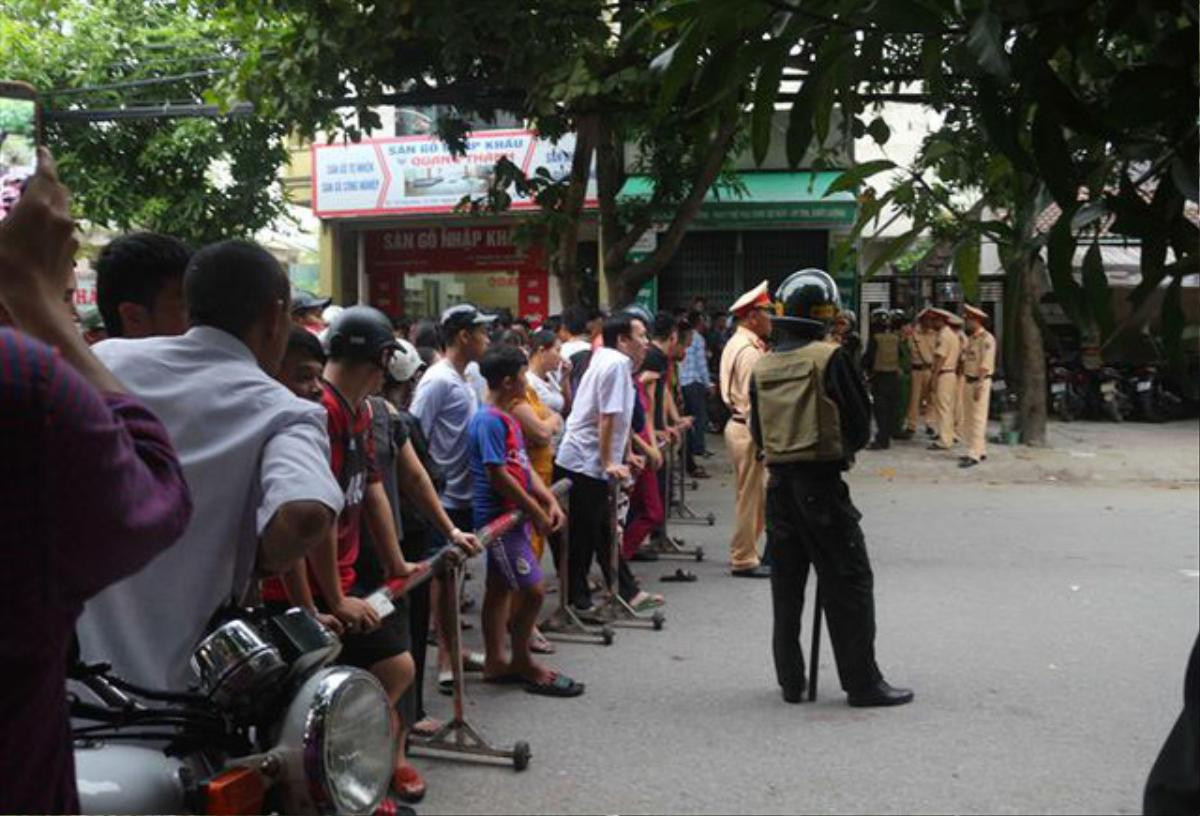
{"x": 882, "y": 364}
{"x": 809, "y": 414}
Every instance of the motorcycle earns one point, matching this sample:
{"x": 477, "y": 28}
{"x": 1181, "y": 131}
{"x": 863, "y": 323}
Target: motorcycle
{"x": 1114, "y": 403}
{"x": 1066, "y": 395}
{"x": 1152, "y": 402}
{"x": 273, "y": 728}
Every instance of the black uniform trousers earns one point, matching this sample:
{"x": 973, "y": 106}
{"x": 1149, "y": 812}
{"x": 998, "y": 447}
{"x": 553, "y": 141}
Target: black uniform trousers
{"x": 811, "y": 520}
{"x": 885, "y": 391}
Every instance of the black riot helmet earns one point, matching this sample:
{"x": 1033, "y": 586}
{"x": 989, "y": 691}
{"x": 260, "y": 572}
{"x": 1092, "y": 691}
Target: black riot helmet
{"x": 361, "y": 333}
{"x": 880, "y": 318}
{"x": 807, "y": 301}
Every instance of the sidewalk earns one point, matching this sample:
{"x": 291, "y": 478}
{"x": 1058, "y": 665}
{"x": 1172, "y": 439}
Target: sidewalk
{"x": 1078, "y": 453}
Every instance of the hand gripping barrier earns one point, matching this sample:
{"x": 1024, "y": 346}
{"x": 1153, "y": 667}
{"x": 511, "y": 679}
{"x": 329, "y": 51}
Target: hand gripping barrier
{"x": 457, "y": 736}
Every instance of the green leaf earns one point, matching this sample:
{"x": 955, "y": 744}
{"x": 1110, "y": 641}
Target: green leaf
{"x": 999, "y": 125}
{"x": 986, "y": 43}
{"x": 966, "y": 267}
{"x": 879, "y": 131}
{"x": 891, "y": 250}
{"x": 800, "y": 125}
{"x": 936, "y": 149}
{"x": 766, "y": 90}
{"x": 850, "y": 179}
{"x": 1052, "y": 156}
{"x": 1095, "y": 287}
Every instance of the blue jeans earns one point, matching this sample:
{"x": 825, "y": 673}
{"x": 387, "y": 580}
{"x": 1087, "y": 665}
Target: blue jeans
{"x": 695, "y": 405}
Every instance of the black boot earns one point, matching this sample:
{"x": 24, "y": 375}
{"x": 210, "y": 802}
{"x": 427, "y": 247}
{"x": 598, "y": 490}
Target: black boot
{"x": 880, "y": 694}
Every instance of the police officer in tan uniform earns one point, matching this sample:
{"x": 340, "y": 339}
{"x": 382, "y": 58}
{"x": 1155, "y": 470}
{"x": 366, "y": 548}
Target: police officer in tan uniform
{"x": 920, "y": 350}
{"x": 809, "y": 414}
{"x": 956, "y": 326}
{"x": 743, "y": 350}
{"x": 944, "y": 381}
{"x": 882, "y": 364}
{"x": 979, "y": 363}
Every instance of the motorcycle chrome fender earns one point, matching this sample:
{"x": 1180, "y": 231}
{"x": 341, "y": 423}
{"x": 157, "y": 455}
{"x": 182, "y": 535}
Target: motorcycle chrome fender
{"x": 120, "y": 778}
{"x": 335, "y": 744}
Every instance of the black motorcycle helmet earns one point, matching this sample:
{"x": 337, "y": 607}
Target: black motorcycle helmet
{"x": 807, "y": 300}
{"x": 362, "y": 333}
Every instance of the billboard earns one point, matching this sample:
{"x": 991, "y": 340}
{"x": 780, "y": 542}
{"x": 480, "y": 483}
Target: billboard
{"x": 417, "y": 175}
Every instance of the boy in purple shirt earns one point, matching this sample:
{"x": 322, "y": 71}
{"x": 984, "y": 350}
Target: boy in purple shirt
{"x": 503, "y": 481}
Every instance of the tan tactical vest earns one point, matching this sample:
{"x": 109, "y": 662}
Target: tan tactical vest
{"x": 799, "y": 422}
{"x": 887, "y": 352}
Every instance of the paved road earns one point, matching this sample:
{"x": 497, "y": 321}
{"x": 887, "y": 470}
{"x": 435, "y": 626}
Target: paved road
{"x": 1044, "y": 627}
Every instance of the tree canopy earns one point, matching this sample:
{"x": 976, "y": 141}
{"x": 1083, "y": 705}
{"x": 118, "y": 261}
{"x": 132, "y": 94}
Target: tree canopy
{"x": 199, "y": 178}
{"x": 578, "y": 66}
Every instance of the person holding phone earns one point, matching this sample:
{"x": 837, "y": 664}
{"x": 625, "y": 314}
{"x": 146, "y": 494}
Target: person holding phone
{"x": 67, "y": 421}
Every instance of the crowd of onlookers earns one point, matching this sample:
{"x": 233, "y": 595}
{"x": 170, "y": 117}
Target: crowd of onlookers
{"x": 259, "y": 445}
{"x": 230, "y": 441}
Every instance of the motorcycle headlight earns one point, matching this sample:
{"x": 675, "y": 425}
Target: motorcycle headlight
{"x": 338, "y": 742}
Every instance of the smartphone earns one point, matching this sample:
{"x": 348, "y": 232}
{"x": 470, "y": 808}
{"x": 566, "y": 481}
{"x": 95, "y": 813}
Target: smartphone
{"x": 20, "y": 132}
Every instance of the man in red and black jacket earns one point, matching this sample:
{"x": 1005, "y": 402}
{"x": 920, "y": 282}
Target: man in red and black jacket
{"x": 361, "y": 343}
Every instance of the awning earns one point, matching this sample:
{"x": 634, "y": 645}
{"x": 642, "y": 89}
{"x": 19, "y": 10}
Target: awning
{"x": 770, "y": 199}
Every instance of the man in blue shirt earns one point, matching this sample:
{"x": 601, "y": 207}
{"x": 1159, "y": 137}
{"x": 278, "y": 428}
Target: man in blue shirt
{"x": 697, "y": 384}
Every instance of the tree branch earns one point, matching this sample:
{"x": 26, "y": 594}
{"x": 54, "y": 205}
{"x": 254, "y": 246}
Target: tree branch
{"x": 631, "y": 278}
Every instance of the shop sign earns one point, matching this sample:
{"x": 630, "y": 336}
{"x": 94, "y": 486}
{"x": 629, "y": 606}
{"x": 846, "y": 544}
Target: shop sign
{"x": 489, "y": 251}
{"x": 808, "y": 213}
{"x": 414, "y": 175}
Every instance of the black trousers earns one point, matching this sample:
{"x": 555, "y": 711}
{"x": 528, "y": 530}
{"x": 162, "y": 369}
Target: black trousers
{"x": 589, "y": 526}
{"x": 811, "y": 521}
{"x": 695, "y": 405}
{"x": 885, "y": 391}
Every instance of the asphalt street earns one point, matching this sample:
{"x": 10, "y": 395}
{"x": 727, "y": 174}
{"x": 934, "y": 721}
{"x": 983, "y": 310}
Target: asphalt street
{"x": 1044, "y": 624}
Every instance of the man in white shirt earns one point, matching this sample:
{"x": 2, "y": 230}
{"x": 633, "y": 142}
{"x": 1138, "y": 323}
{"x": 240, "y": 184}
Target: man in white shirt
{"x": 595, "y": 445}
{"x": 255, "y": 458}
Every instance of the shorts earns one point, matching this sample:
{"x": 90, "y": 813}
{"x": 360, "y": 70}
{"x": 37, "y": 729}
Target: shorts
{"x": 364, "y": 649}
{"x": 511, "y": 562}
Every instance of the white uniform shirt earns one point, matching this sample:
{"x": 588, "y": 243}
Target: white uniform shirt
{"x": 606, "y": 388}
{"x": 247, "y": 446}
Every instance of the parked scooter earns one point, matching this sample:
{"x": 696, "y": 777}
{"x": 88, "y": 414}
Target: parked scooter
{"x": 1067, "y": 400}
{"x": 273, "y": 728}
{"x": 1152, "y": 402}
{"x": 1113, "y": 403}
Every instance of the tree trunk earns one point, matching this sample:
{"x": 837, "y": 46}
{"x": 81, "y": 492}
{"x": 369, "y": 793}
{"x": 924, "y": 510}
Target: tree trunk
{"x": 564, "y": 264}
{"x": 625, "y": 279}
{"x": 1026, "y": 268}
{"x": 1031, "y": 354}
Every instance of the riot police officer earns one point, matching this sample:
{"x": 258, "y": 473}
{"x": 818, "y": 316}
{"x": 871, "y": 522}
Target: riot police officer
{"x": 882, "y": 364}
{"x": 809, "y": 414}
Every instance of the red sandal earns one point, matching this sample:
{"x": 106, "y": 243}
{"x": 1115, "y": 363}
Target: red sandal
{"x": 408, "y": 784}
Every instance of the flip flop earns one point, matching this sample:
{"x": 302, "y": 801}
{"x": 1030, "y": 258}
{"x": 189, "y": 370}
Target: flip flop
{"x": 428, "y": 727}
{"x": 473, "y": 662}
{"x": 408, "y": 784}
{"x": 651, "y": 601}
{"x": 680, "y": 576}
{"x": 559, "y": 686}
{"x": 538, "y": 644}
